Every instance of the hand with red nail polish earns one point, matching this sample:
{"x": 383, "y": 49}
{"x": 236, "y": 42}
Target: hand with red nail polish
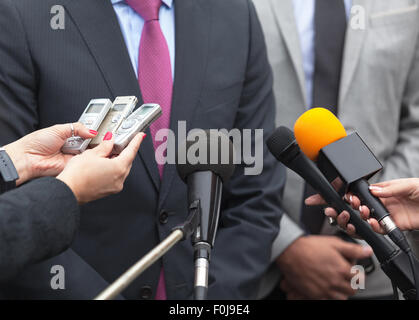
{"x": 108, "y": 136}
{"x": 401, "y": 198}
{"x": 39, "y": 154}
{"x": 95, "y": 174}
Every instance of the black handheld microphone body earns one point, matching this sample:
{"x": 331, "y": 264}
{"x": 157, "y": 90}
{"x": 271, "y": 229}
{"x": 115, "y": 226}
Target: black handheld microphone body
{"x": 352, "y": 160}
{"x": 205, "y": 183}
{"x": 283, "y": 146}
{"x": 399, "y": 266}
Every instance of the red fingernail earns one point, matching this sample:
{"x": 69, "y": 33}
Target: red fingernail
{"x": 108, "y": 136}
{"x": 93, "y": 132}
{"x": 145, "y": 135}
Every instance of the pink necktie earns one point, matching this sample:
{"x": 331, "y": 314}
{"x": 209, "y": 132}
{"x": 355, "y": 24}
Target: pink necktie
{"x": 155, "y": 78}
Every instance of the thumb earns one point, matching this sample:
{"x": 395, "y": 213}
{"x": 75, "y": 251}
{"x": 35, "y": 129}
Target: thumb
{"x": 314, "y": 200}
{"x": 353, "y": 252}
{"x": 389, "y": 189}
{"x": 104, "y": 149}
{"x": 77, "y": 129}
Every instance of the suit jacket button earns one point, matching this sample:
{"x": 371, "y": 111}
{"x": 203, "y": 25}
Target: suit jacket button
{"x": 164, "y": 217}
{"x": 146, "y": 293}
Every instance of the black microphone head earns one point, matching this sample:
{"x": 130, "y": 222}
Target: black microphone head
{"x": 280, "y": 141}
{"x": 212, "y": 151}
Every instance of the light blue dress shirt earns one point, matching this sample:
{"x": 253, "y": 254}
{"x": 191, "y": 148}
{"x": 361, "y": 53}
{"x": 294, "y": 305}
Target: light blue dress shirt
{"x": 304, "y": 15}
{"x": 132, "y": 27}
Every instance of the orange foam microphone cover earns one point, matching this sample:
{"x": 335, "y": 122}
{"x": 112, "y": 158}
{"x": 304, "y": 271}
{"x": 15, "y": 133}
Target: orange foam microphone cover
{"x": 316, "y": 129}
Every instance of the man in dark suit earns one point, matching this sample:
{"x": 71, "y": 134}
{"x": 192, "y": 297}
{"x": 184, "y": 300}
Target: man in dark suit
{"x": 221, "y": 79}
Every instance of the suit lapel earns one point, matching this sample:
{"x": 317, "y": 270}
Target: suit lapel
{"x": 353, "y": 47}
{"x": 285, "y": 18}
{"x": 192, "y": 31}
{"x": 99, "y": 27}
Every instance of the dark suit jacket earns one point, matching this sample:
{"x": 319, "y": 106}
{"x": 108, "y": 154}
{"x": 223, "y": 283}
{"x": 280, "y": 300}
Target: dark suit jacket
{"x": 37, "y": 221}
{"x": 222, "y": 80}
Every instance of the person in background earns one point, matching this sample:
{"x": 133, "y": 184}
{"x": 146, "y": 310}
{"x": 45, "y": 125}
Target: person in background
{"x": 40, "y": 218}
{"x": 359, "y": 59}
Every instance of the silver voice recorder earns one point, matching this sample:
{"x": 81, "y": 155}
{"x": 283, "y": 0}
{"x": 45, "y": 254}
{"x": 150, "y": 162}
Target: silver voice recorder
{"x": 137, "y": 122}
{"x": 92, "y": 118}
{"x": 122, "y": 107}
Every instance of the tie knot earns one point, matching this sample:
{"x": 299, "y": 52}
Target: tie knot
{"x": 147, "y": 9}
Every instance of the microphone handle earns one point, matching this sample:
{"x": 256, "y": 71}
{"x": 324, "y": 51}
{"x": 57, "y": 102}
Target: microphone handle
{"x": 361, "y": 189}
{"x": 378, "y": 211}
{"x": 312, "y": 175}
{"x": 206, "y": 187}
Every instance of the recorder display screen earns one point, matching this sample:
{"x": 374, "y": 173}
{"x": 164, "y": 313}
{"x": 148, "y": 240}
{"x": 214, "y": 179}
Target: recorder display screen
{"x": 119, "y": 107}
{"x": 95, "y": 108}
{"x": 144, "y": 111}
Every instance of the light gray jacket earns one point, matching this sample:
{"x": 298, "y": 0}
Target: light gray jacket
{"x": 379, "y": 94}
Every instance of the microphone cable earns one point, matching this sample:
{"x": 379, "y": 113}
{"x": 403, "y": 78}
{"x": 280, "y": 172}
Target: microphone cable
{"x": 414, "y": 270}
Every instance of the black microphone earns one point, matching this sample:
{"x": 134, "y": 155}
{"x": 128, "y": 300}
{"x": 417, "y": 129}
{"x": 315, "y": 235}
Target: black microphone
{"x": 283, "y": 146}
{"x": 400, "y": 267}
{"x": 321, "y": 136}
{"x": 354, "y": 171}
{"x": 204, "y": 173}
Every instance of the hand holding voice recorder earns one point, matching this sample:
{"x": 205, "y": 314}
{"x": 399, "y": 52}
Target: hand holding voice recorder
{"x": 122, "y": 107}
{"x": 92, "y": 118}
{"x": 137, "y": 122}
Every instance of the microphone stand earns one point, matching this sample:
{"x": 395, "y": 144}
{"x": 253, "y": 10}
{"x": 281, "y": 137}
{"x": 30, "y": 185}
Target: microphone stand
{"x": 178, "y": 234}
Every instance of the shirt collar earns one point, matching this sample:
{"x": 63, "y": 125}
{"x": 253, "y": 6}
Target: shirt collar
{"x": 168, "y": 3}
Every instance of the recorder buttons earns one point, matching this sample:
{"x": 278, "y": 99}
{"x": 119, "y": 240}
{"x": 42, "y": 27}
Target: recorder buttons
{"x": 88, "y": 121}
{"x": 116, "y": 118}
{"x": 128, "y": 124}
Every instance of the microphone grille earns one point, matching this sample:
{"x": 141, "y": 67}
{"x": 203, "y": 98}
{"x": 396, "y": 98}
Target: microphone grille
{"x": 212, "y": 151}
{"x": 280, "y": 140}
{"x": 317, "y": 128}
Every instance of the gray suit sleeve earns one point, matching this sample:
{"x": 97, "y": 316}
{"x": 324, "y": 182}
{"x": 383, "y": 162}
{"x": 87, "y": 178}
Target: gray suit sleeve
{"x": 289, "y": 232}
{"x": 37, "y": 221}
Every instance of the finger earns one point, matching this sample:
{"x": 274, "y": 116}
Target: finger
{"x": 336, "y": 295}
{"x": 343, "y": 289}
{"x": 330, "y": 212}
{"x": 353, "y": 252}
{"x": 337, "y": 183}
{"x": 365, "y": 212}
{"x": 315, "y": 200}
{"x": 128, "y": 155}
{"x": 104, "y": 149}
{"x": 80, "y": 130}
{"x": 350, "y": 230}
{"x": 375, "y": 225}
{"x": 353, "y": 200}
{"x": 391, "y": 188}
{"x": 343, "y": 219}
